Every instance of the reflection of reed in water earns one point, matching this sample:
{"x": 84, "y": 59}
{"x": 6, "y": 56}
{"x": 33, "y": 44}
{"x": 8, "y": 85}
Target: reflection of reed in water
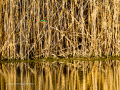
{"x": 75, "y": 75}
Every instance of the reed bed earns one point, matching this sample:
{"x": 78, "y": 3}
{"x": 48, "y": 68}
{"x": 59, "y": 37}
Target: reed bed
{"x": 78, "y": 75}
{"x": 74, "y": 28}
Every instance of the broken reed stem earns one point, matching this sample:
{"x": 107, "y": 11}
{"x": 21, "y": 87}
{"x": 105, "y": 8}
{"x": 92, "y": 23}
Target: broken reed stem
{"x": 73, "y": 29}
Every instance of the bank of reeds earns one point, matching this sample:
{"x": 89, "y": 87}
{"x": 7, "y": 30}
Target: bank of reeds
{"x": 74, "y": 28}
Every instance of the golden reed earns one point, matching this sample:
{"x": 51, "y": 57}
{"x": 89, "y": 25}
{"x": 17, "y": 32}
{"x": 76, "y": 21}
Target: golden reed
{"x": 73, "y": 28}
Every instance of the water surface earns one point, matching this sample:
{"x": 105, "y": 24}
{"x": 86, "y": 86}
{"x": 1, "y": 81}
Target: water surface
{"x": 60, "y": 75}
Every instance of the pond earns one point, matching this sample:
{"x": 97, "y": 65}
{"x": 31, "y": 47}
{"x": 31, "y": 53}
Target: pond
{"x": 60, "y": 75}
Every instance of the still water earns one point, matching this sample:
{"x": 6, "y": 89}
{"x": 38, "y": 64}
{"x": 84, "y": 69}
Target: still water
{"x": 60, "y": 75}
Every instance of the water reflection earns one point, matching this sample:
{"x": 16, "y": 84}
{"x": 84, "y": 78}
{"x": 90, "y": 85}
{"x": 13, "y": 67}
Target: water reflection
{"x": 73, "y": 75}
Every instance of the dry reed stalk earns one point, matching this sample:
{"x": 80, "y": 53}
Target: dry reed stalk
{"x": 104, "y": 27}
{"x": 0, "y": 19}
{"x": 45, "y": 37}
{"x": 95, "y": 11}
{"x": 56, "y": 33}
{"x": 49, "y": 31}
{"x": 82, "y": 25}
{"x": 25, "y": 25}
{"x": 113, "y": 30}
{"x": 21, "y": 49}
{"x": 8, "y": 32}
{"x": 1, "y": 27}
{"x": 67, "y": 43}
{"x": 34, "y": 24}
{"x": 11, "y": 26}
{"x": 115, "y": 18}
{"x": 27, "y": 35}
{"x": 89, "y": 26}
{"x": 30, "y": 30}
{"x": 24, "y": 29}
{"x": 72, "y": 5}
{"x": 38, "y": 25}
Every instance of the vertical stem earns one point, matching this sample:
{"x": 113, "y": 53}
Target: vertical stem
{"x": 0, "y": 20}
{"x": 49, "y": 31}
{"x": 67, "y": 34}
{"x": 82, "y": 25}
{"x": 38, "y": 21}
{"x": 27, "y": 33}
{"x": 94, "y": 26}
{"x": 73, "y": 35}
{"x": 21, "y": 49}
{"x": 1, "y": 26}
{"x": 24, "y": 28}
{"x": 84, "y": 75}
{"x": 11, "y": 22}
{"x": 34, "y": 25}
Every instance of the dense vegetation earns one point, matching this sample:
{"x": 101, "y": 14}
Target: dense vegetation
{"x": 73, "y": 28}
